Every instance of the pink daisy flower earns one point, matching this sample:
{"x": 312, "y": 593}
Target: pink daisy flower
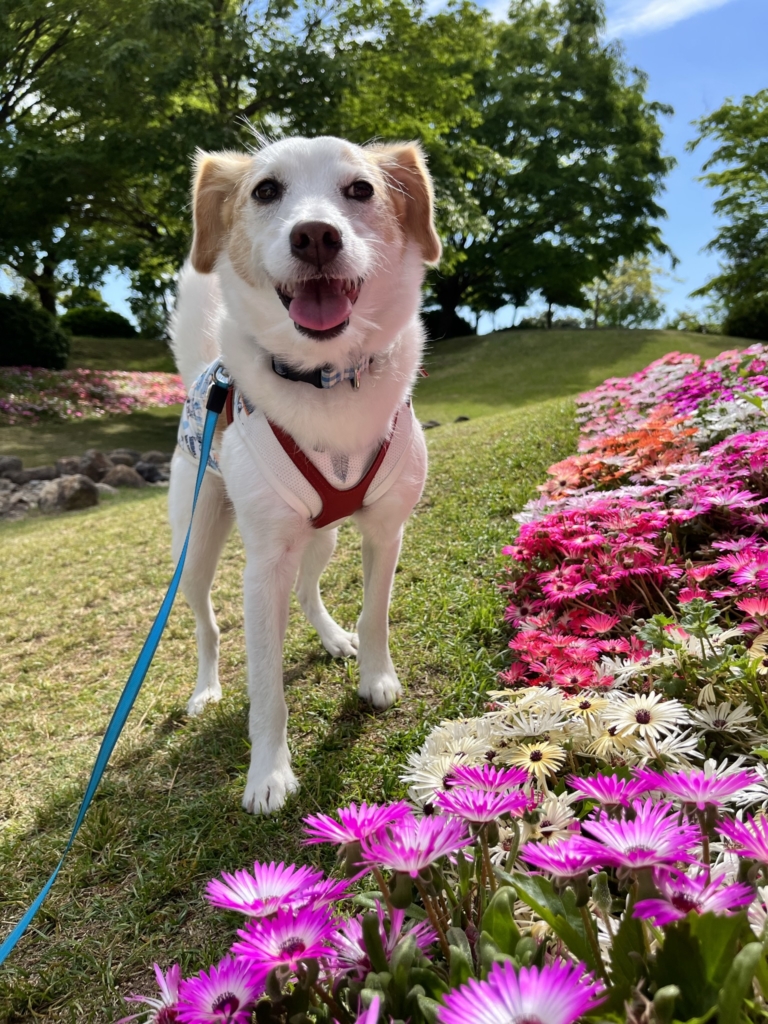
{"x": 697, "y": 788}
{"x": 480, "y": 806}
{"x": 564, "y": 860}
{"x": 162, "y": 1010}
{"x": 750, "y": 837}
{"x": 487, "y": 777}
{"x": 225, "y": 994}
{"x": 655, "y": 836}
{"x": 609, "y": 790}
{"x": 351, "y": 954}
{"x": 356, "y": 822}
{"x": 600, "y": 622}
{"x": 286, "y": 939}
{"x": 413, "y": 844}
{"x": 681, "y": 894}
{"x": 264, "y": 891}
{"x": 757, "y": 606}
{"x": 558, "y": 993}
{"x": 371, "y": 1015}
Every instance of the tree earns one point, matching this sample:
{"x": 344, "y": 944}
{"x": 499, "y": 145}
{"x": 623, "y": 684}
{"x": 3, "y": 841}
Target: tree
{"x": 738, "y": 168}
{"x": 578, "y": 163}
{"x": 627, "y": 296}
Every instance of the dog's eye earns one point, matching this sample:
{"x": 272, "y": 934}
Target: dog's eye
{"x": 267, "y": 191}
{"x": 359, "y": 190}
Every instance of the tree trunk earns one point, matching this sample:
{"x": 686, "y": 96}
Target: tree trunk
{"x": 597, "y": 309}
{"x": 549, "y": 316}
{"x": 46, "y": 285}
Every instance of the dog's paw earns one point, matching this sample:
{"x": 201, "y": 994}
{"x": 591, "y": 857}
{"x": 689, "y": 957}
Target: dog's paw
{"x": 198, "y": 701}
{"x": 268, "y": 794}
{"x": 339, "y": 643}
{"x": 382, "y": 689}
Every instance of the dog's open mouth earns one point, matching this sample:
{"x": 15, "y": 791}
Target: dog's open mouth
{"x": 320, "y": 308}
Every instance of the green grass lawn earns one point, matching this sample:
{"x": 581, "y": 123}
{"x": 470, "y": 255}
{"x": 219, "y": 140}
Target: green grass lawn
{"x": 78, "y": 593}
{"x": 467, "y": 376}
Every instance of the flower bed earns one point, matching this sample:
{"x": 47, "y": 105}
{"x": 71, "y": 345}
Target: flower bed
{"x": 595, "y": 844}
{"x": 28, "y": 393}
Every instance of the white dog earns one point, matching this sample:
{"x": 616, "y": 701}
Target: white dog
{"x": 305, "y": 280}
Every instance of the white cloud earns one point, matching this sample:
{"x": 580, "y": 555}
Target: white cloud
{"x": 635, "y": 17}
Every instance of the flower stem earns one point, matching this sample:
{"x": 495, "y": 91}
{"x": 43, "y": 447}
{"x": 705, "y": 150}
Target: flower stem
{"x": 483, "y": 833}
{"x": 592, "y": 938}
{"x": 383, "y": 888}
{"x": 433, "y": 919}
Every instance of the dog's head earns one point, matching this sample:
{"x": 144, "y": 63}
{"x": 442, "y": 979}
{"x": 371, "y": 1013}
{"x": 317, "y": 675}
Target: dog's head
{"x": 320, "y": 242}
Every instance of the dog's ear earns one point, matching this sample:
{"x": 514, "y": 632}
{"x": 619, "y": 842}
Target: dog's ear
{"x": 405, "y": 170}
{"x": 217, "y": 176}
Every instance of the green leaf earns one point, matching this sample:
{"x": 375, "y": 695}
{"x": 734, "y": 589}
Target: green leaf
{"x": 560, "y": 913}
{"x": 460, "y": 966}
{"x": 488, "y": 953}
{"x": 718, "y": 940}
{"x": 625, "y": 968}
{"x": 429, "y": 1008}
{"x": 499, "y": 920}
{"x": 374, "y": 947}
{"x": 738, "y": 983}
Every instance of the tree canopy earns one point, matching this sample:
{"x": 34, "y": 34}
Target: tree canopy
{"x": 545, "y": 152}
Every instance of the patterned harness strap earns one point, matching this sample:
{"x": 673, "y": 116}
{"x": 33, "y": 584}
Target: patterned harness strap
{"x": 337, "y": 504}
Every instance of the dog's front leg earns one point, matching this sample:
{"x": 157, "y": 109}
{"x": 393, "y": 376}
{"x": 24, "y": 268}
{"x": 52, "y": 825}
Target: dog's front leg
{"x": 378, "y": 680}
{"x": 269, "y": 577}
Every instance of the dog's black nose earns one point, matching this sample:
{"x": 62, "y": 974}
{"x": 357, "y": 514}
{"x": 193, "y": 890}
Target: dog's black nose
{"x": 316, "y": 242}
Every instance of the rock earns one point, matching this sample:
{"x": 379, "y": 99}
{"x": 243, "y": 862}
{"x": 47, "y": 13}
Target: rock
{"x": 105, "y": 490}
{"x": 25, "y": 476}
{"x": 9, "y": 464}
{"x": 151, "y": 472}
{"x": 69, "y": 465}
{"x": 157, "y": 457}
{"x": 6, "y": 486}
{"x": 430, "y": 424}
{"x": 461, "y": 419}
{"x": 68, "y": 493}
{"x": 123, "y": 476}
{"x": 95, "y": 464}
{"x": 125, "y": 456}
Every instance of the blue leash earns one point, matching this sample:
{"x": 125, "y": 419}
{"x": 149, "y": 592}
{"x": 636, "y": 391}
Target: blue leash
{"x": 217, "y": 394}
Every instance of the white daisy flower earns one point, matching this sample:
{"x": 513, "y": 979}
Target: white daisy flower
{"x": 724, "y": 718}
{"x": 677, "y": 748}
{"x": 646, "y": 714}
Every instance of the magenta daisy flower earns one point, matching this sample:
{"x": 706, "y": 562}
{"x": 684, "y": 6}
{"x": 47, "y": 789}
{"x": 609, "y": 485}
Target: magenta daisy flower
{"x": 680, "y": 894}
{"x": 480, "y": 806}
{"x": 557, "y": 993}
{"x": 609, "y": 790}
{"x": 351, "y": 954}
{"x": 286, "y": 939}
{"x": 750, "y": 837}
{"x": 414, "y": 843}
{"x": 267, "y": 889}
{"x": 356, "y": 822}
{"x": 487, "y": 777}
{"x": 697, "y": 788}
{"x": 371, "y": 1015}
{"x": 164, "y": 1009}
{"x": 225, "y": 994}
{"x": 564, "y": 860}
{"x": 654, "y": 836}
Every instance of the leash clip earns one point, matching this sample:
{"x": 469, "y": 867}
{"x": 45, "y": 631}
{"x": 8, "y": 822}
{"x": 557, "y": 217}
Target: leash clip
{"x": 216, "y": 395}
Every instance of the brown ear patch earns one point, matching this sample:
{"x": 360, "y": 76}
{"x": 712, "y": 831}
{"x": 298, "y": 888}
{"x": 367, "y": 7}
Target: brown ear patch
{"x": 405, "y": 170}
{"x": 217, "y": 176}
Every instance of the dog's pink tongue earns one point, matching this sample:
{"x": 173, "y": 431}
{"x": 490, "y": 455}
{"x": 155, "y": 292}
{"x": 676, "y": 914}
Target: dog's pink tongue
{"x": 320, "y": 305}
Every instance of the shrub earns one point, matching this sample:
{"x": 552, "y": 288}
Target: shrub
{"x": 748, "y": 319}
{"x": 97, "y": 322}
{"x": 29, "y": 336}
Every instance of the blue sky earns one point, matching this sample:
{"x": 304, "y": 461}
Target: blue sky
{"x": 696, "y": 54}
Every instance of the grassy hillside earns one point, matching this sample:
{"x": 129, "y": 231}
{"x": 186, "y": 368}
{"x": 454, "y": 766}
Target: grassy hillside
{"x": 467, "y": 376}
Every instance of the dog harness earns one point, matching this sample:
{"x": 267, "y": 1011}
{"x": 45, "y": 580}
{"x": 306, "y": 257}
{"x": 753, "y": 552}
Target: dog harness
{"x": 323, "y": 486}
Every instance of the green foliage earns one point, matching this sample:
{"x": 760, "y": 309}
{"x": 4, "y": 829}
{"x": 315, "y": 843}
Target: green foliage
{"x": 627, "y": 295}
{"x": 29, "y": 336}
{"x": 748, "y": 318}
{"x": 739, "y": 171}
{"x": 97, "y": 322}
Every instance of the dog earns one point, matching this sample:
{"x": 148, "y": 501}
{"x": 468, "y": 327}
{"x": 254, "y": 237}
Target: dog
{"x": 304, "y": 281}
